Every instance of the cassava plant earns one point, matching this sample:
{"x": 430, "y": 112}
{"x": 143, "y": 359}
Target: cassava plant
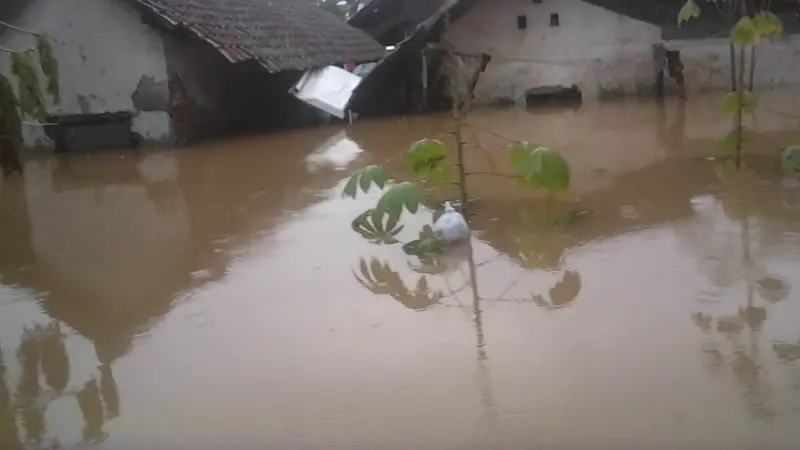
{"x": 28, "y": 100}
{"x": 747, "y": 32}
{"x": 434, "y": 164}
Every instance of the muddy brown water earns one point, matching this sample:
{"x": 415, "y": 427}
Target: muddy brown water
{"x": 216, "y": 296}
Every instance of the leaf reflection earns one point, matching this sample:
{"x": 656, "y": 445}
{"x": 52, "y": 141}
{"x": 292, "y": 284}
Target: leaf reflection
{"x": 380, "y": 278}
{"x": 562, "y": 294}
{"x": 786, "y": 352}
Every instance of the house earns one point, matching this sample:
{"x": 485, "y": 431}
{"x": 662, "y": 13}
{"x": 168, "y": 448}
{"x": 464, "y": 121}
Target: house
{"x": 605, "y": 48}
{"x": 176, "y": 70}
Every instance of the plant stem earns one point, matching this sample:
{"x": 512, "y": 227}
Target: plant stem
{"x": 733, "y": 67}
{"x": 492, "y": 174}
{"x": 462, "y": 174}
{"x": 752, "y": 68}
{"x": 740, "y": 90}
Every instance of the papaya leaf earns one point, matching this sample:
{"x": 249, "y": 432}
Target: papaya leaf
{"x": 405, "y": 195}
{"x": 372, "y": 227}
{"x": 744, "y": 33}
{"x": 364, "y": 179}
{"x": 768, "y": 24}
{"x": 689, "y": 11}
{"x": 428, "y": 159}
{"x": 745, "y": 101}
{"x": 540, "y": 167}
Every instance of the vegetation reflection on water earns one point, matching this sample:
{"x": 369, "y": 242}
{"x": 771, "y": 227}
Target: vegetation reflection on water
{"x": 138, "y": 288}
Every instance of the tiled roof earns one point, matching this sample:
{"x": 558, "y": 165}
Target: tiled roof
{"x": 279, "y": 34}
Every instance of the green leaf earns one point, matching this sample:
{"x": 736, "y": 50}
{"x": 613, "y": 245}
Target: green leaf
{"x": 540, "y": 167}
{"x": 790, "y": 158}
{"x": 31, "y": 101}
{"x": 405, "y": 195}
{"x": 744, "y": 32}
{"x": 735, "y": 101}
{"x": 372, "y": 227}
{"x": 428, "y": 159}
{"x": 768, "y": 24}
{"x": 49, "y": 65}
{"x": 364, "y": 178}
{"x": 689, "y": 11}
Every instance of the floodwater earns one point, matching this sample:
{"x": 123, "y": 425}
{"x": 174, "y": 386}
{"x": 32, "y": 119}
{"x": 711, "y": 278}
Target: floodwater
{"x": 217, "y": 296}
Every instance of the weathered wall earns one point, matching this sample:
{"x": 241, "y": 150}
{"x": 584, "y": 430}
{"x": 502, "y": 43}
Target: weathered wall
{"x": 104, "y": 52}
{"x": 206, "y": 93}
{"x": 604, "y": 53}
{"x": 592, "y": 47}
{"x": 707, "y": 62}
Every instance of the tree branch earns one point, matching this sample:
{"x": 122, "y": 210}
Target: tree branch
{"x": 23, "y": 50}
{"x": 20, "y": 29}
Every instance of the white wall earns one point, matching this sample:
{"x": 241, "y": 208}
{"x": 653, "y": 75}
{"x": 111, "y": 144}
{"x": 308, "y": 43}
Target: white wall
{"x": 103, "y": 51}
{"x": 604, "y": 53}
{"x": 592, "y": 47}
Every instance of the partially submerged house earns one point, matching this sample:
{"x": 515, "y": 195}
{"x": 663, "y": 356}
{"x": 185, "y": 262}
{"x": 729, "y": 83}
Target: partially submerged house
{"x": 603, "y": 48}
{"x": 165, "y": 71}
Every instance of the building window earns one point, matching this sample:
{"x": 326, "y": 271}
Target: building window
{"x": 554, "y": 20}
{"x": 522, "y": 22}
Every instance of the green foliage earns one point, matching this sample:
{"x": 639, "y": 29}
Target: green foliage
{"x": 405, "y": 195}
{"x": 790, "y": 158}
{"x": 49, "y": 65}
{"x": 31, "y": 101}
{"x": 733, "y": 139}
{"x": 748, "y": 31}
{"x": 733, "y": 102}
{"x": 540, "y": 167}
{"x": 428, "y": 159}
{"x": 372, "y": 227}
{"x": 689, "y": 11}
{"x": 364, "y": 179}
{"x": 10, "y": 121}
{"x": 744, "y": 32}
{"x": 768, "y": 25}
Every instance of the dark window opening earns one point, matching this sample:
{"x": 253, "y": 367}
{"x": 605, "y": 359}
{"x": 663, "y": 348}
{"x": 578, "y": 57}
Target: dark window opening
{"x": 554, "y": 96}
{"x": 554, "y": 20}
{"x": 522, "y": 22}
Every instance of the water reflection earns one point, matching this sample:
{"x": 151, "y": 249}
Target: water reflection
{"x": 134, "y": 281}
{"x": 105, "y": 245}
{"x": 728, "y": 235}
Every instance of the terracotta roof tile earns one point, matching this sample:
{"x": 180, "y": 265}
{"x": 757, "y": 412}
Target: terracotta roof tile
{"x": 279, "y": 34}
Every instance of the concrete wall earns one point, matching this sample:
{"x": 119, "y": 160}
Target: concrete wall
{"x": 104, "y": 53}
{"x": 207, "y": 93}
{"x": 707, "y": 62}
{"x": 592, "y": 47}
{"x": 604, "y": 53}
